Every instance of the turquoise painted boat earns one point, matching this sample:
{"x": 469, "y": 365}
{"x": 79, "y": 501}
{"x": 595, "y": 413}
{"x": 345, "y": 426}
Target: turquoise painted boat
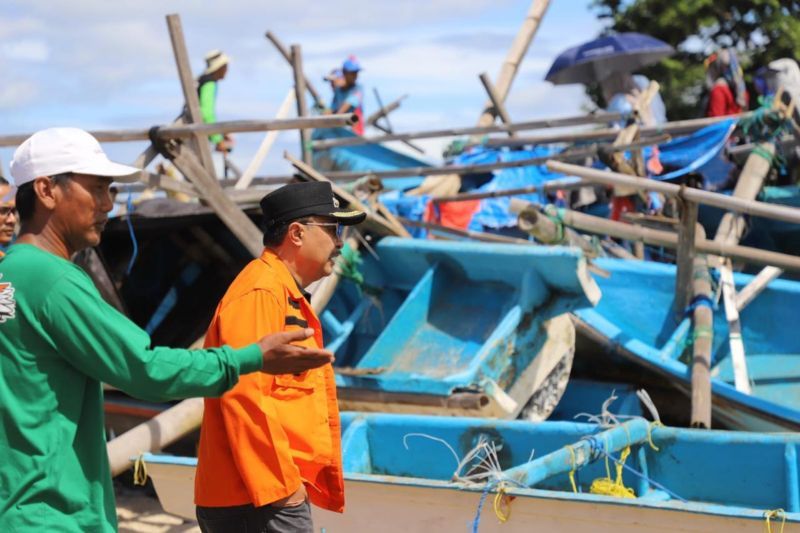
{"x": 418, "y": 473}
{"x": 635, "y": 319}
{"x": 364, "y": 157}
{"x": 459, "y": 328}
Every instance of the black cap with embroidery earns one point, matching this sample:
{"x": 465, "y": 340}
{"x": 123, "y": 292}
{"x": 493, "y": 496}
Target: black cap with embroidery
{"x": 298, "y": 200}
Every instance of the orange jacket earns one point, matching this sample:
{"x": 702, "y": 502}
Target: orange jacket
{"x": 268, "y": 434}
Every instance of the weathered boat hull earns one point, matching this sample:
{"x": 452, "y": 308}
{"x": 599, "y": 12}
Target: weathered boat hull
{"x": 393, "y": 483}
{"x": 457, "y": 328}
{"x": 646, "y": 330}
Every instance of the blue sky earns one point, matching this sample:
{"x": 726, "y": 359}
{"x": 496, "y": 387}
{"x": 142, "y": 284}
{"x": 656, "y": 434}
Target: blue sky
{"x": 105, "y": 65}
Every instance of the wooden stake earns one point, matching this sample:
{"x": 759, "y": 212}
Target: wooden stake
{"x": 703, "y": 336}
{"x": 668, "y": 239}
{"x": 499, "y": 107}
{"x": 265, "y": 146}
{"x": 686, "y": 256}
{"x": 374, "y": 221}
{"x": 237, "y": 222}
{"x": 740, "y": 377}
{"x": 188, "y": 84}
{"x": 300, "y": 97}
{"x": 751, "y": 179}
{"x": 153, "y": 435}
{"x": 762, "y": 209}
{"x": 754, "y": 288}
{"x": 287, "y": 55}
{"x": 384, "y": 111}
{"x": 560, "y": 122}
{"x": 514, "y": 57}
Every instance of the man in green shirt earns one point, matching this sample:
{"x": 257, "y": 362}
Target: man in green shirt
{"x": 216, "y": 69}
{"x": 59, "y": 340}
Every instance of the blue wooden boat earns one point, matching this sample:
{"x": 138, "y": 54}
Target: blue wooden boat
{"x": 403, "y": 473}
{"x": 635, "y": 319}
{"x": 364, "y": 157}
{"x": 457, "y": 328}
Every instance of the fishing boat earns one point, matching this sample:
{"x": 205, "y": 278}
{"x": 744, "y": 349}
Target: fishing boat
{"x": 457, "y": 328}
{"x": 635, "y": 319}
{"x": 420, "y": 473}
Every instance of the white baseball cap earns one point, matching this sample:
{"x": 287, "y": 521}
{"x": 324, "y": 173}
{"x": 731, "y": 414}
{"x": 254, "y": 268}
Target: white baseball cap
{"x": 59, "y": 150}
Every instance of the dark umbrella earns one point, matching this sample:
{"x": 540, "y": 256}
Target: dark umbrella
{"x": 596, "y": 60}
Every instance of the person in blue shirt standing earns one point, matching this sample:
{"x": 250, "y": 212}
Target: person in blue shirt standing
{"x": 349, "y": 96}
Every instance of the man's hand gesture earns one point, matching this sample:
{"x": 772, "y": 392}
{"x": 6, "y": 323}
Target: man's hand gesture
{"x": 282, "y": 357}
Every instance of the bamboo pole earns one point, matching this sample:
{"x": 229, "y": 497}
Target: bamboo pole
{"x": 373, "y": 222}
{"x": 686, "y": 256}
{"x": 754, "y": 288}
{"x": 300, "y": 98}
{"x": 703, "y": 336}
{"x": 750, "y": 181}
{"x": 189, "y": 130}
{"x": 265, "y": 146}
{"x": 750, "y": 207}
{"x": 153, "y": 435}
{"x": 476, "y": 235}
{"x": 288, "y": 57}
{"x": 740, "y": 378}
{"x": 498, "y": 106}
{"x": 672, "y": 128}
{"x": 516, "y": 53}
{"x": 669, "y": 239}
{"x": 534, "y": 221}
{"x": 209, "y": 187}
{"x": 384, "y": 111}
{"x": 560, "y": 122}
{"x": 193, "y": 115}
{"x": 547, "y": 186}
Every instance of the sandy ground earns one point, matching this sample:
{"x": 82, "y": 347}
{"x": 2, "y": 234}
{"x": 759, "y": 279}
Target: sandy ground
{"x": 141, "y": 513}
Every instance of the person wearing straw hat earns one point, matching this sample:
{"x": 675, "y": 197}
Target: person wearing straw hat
{"x": 59, "y": 340}
{"x": 273, "y": 443}
{"x": 207, "y": 90}
{"x": 8, "y": 215}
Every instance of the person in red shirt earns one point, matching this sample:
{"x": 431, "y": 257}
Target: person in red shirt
{"x": 725, "y": 82}
{"x": 272, "y": 443}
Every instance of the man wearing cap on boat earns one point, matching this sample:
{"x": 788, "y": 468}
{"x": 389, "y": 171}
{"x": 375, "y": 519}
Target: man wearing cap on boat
{"x": 207, "y": 91}
{"x": 59, "y": 340}
{"x": 272, "y": 443}
{"x": 348, "y": 96}
{"x": 8, "y": 215}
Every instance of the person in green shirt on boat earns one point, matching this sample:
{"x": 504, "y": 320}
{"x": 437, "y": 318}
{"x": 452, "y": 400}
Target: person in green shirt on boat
{"x": 59, "y": 340}
{"x": 207, "y": 85}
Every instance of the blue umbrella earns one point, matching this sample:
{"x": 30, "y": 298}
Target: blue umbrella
{"x": 596, "y": 60}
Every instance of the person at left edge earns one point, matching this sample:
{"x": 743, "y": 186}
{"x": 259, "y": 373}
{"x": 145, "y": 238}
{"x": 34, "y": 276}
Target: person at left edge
{"x": 59, "y": 340}
{"x": 8, "y": 215}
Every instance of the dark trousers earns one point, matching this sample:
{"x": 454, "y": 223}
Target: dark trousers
{"x": 250, "y": 519}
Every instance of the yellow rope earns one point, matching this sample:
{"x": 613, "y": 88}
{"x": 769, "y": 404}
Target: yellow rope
{"x": 655, "y": 424}
{"x": 617, "y": 488}
{"x": 502, "y": 505}
{"x": 572, "y": 472}
{"x": 774, "y": 513}
{"x": 139, "y": 471}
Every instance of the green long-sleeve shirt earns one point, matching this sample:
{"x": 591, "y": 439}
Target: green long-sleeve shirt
{"x": 207, "y": 96}
{"x": 58, "y": 341}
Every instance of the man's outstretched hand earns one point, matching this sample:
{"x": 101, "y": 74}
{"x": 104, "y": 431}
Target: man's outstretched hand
{"x": 282, "y": 357}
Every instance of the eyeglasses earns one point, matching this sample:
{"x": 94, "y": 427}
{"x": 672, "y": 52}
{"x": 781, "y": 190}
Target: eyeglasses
{"x": 337, "y": 232}
{"x": 5, "y": 211}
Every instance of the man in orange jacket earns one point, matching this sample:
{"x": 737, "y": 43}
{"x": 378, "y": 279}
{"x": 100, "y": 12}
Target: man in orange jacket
{"x": 272, "y": 443}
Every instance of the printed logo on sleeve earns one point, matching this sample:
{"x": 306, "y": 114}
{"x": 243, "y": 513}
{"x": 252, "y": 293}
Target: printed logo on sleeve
{"x": 8, "y": 305}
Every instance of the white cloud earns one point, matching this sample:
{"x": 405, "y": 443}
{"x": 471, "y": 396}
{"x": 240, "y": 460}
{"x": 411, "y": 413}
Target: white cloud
{"x": 32, "y": 50}
{"x": 14, "y": 93}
